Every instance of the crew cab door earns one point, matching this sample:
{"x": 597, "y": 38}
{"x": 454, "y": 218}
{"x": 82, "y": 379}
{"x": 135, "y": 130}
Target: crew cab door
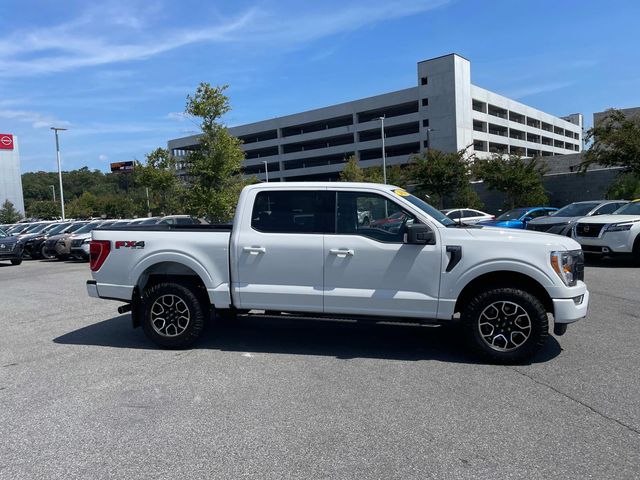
{"x": 279, "y": 250}
{"x": 369, "y": 270}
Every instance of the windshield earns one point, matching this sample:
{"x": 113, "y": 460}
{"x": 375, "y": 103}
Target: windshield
{"x": 428, "y": 209}
{"x": 632, "y": 208}
{"x": 75, "y": 227}
{"x": 149, "y": 221}
{"x": 88, "y": 227}
{"x": 576, "y": 209}
{"x": 514, "y": 214}
{"x": 3, "y": 234}
{"x": 58, "y": 228}
{"x": 18, "y": 229}
{"x": 35, "y": 228}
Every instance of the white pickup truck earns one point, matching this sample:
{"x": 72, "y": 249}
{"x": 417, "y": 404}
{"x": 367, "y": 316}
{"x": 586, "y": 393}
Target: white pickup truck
{"x": 299, "y": 248}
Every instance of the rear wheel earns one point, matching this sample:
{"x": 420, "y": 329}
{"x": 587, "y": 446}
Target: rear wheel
{"x": 16, "y": 262}
{"x": 45, "y": 254}
{"x": 173, "y": 315}
{"x": 505, "y": 325}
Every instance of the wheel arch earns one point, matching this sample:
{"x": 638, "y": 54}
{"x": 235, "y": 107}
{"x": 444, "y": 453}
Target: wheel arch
{"x": 503, "y": 278}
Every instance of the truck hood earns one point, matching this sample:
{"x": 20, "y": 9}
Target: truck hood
{"x": 524, "y": 237}
{"x": 604, "y": 219}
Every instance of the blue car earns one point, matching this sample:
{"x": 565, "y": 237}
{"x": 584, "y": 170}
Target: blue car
{"x": 518, "y": 217}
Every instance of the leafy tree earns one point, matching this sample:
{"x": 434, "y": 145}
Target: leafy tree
{"x": 86, "y": 205}
{"x": 352, "y": 171}
{"x": 626, "y": 185}
{"x": 616, "y": 142}
{"x": 8, "y": 213}
{"x": 519, "y": 179}
{"x": 45, "y": 209}
{"x": 440, "y": 174}
{"x": 158, "y": 174}
{"x": 214, "y": 170}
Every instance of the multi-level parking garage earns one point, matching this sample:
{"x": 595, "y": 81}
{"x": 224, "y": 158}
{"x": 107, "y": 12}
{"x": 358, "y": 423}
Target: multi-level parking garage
{"x": 444, "y": 111}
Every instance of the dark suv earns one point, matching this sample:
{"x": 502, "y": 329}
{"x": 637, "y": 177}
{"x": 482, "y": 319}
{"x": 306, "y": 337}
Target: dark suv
{"x": 10, "y": 248}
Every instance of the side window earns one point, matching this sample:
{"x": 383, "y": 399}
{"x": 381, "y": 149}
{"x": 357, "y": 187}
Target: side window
{"x": 282, "y": 211}
{"x": 537, "y": 213}
{"x": 184, "y": 221}
{"x": 607, "y": 209}
{"x": 469, "y": 214}
{"x": 387, "y": 220}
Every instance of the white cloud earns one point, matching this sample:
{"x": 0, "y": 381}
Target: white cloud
{"x": 36, "y": 119}
{"x": 107, "y": 35}
{"x": 103, "y": 158}
{"x": 537, "y": 89}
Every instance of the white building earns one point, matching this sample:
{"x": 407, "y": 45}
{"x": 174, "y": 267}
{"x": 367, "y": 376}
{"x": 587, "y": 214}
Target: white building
{"x": 444, "y": 111}
{"x": 10, "y": 175}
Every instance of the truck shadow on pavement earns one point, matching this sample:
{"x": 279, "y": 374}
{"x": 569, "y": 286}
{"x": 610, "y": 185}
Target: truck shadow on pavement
{"x": 294, "y": 336}
{"x": 593, "y": 261}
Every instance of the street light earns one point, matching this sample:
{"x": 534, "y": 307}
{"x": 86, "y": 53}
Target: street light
{"x": 56, "y": 130}
{"x": 266, "y": 171}
{"x": 53, "y": 190}
{"x": 384, "y": 154}
{"x": 428, "y": 138}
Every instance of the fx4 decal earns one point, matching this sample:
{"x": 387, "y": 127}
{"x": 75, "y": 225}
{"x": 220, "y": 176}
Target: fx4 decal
{"x": 129, "y": 244}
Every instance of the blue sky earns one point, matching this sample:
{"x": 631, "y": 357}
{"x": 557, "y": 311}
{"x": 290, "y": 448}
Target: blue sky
{"x": 116, "y": 73}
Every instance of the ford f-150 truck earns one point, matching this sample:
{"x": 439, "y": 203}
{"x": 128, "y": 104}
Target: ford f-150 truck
{"x": 300, "y": 248}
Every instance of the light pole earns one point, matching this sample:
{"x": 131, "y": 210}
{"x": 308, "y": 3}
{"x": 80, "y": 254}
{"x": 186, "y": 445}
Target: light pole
{"x": 429, "y": 139}
{"x": 56, "y": 130}
{"x": 384, "y": 153}
{"x": 53, "y": 190}
{"x": 266, "y": 171}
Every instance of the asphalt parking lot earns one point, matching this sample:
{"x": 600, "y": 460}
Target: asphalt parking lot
{"x": 85, "y": 396}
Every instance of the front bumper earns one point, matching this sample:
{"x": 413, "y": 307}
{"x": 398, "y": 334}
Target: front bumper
{"x": 608, "y": 242}
{"x": 82, "y": 251}
{"x": 568, "y": 310}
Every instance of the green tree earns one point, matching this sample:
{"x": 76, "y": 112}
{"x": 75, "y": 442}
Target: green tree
{"x": 616, "y": 143}
{"x": 86, "y": 205}
{"x": 352, "y": 171}
{"x": 8, "y": 213}
{"x": 214, "y": 170}
{"x": 158, "y": 174}
{"x": 44, "y": 209}
{"x": 627, "y": 185}
{"x": 519, "y": 179}
{"x": 441, "y": 175}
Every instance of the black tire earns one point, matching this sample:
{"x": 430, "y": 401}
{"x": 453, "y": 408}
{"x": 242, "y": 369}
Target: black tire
{"x": 636, "y": 250}
{"x": 16, "y": 261}
{"x": 173, "y": 332}
{"x": 44, "y": 254}
{"x": 508, "y": 305}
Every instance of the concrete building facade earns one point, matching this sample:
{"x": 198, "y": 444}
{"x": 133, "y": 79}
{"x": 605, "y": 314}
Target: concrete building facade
{"x": 10, "y": 174}
{"x": 444, "y": 111}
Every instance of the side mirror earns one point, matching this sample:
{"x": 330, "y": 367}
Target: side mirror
{"x": 527, "y": 219}
{"x": 419, "y": 234}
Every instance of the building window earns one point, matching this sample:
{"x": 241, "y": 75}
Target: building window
{"x": 424, "y": 81}
{"x": 425, "y": 122}
{"x": 425, "y": 102}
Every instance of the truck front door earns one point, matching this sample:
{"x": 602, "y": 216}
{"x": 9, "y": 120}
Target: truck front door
{"x": 369, "y": 270}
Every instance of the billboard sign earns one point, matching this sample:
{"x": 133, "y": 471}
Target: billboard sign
{"x": 6, "y": 141}
{"x": 122, "y": 167}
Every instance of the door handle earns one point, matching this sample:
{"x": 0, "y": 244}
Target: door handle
{"x": 341, "y": 252}
{"x": 254, "y": 250}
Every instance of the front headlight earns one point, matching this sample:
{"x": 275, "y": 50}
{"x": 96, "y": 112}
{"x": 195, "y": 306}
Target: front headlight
{"x": 619, "y": 227}
{"x": 569, "y": 265}
{"x": 87, "y": 240}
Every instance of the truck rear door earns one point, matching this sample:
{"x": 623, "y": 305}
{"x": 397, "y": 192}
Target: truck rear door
{"x": 279, "y": 250}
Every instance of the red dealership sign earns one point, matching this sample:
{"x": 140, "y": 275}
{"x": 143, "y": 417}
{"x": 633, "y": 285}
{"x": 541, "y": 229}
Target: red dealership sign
{"x": 6, "y": 141}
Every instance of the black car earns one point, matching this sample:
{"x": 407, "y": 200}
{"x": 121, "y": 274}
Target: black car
{"x": 34, "y": 243}
{"x": 10, "y": 248}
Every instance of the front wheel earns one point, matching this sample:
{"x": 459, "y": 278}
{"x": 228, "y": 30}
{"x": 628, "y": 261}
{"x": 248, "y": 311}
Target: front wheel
{"x": 173, "y": 315}
{"x": 506, "y": 325}
{"x": 17, "y": 261}
{"x": 45, "y": 254}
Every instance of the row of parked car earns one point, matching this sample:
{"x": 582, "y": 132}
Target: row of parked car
{"x": 65, "y": 239}
{"x": 606, "y": 227}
